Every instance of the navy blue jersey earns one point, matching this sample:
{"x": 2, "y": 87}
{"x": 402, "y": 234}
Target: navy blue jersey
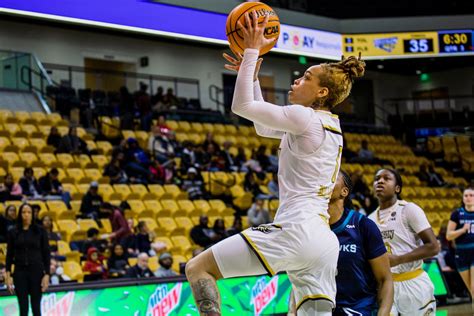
{"x": 360, "y": 241}
{"x": 461, "y": 217}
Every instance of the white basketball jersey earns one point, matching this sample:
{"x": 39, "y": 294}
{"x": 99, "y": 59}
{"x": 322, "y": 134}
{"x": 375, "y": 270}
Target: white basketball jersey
{"x": 400, "y": 225}
{"x": 307, "y": 181}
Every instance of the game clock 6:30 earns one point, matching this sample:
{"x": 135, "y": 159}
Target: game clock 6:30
{"x": 455, "y": 42}
{"x": 418, "y": 45}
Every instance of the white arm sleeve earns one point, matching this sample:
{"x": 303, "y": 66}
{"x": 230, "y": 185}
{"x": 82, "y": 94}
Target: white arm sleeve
{"x": 416, "y": 218}
{"x": 260, "y": 129}
{"x": 292, "y": 119}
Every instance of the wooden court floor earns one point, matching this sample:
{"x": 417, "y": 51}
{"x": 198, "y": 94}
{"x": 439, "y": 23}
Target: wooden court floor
{"x": 457, "y": 310}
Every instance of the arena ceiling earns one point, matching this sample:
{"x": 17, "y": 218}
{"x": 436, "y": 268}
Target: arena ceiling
{"x": 376, "y": 8}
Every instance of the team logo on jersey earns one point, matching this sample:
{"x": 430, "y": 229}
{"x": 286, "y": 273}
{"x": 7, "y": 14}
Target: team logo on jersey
{"x": 267, "y": 228}
{"x": 429, "y": 312}
{"x": 162, "y": 302}
{"x": 348, "y": 248}
{"x": 393, "y": 214}
{"x": 263, "y": 293}
{"x": 50, "y": 305}
{"x": 350, "y": 226}
{"x": 388, "y": 234}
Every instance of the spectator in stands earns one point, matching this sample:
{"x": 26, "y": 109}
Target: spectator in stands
{"x": 166, "y": 262}
{"x": 251, "y": 185}
{"x": 143, "y": 102}
{"x": 126, "y": 108}
{"x": 359, "y": 189}
{"x": 188, "y": 157}
{"x": 72, "y": 144}
{"x": 252, "y": 165}
{"x": 273, "y": 187}
{"x": 273, "y": 159}
{"x": 91, "y": 202}
{"x": 157, "y": 99}
{"x": 436, "y": 178}
{"x": 158, "y": 172}
{"x": 57, "y": 273}
{"x": 54, "y": 138}
{"x": 3, "y": 277}
{"x": 257, "y": 214}
{"x": 161, "y": 123}
{"x": 53, "y": 236}
{"x": 9, "y": 190}
{"x": 118, "y": 262}
{"x": 51, "y": 188}
{"x": 241, "y": 158}
{"x": 120, "y": 229}
{"x": 29, "y": 184}
{"x": 136, "y": 161}
{"x": 114, "y": 169}
{"x": 202, "y": 234}
{"x": 92, "y": 241}
{"x": 365, "y": 154}
{"x": 210, "y": 140}
{"x": 94, "y": 265}
{"x": 219, "y": 229}
{"x": 170, "y": 101}
{"x": 236, "y": 226}
{"x": 36, "y": 210}
{"x": 194, "y": 185}
{"x": 262, "y": 158}
{"x": 143, "y": 240}
{"x": 227, "y": 157}
{"x": 160, "y": 146}
{"x": 7, "y": 222}
{"x": 141, "y": 269}
{"x": 212, "y": 159}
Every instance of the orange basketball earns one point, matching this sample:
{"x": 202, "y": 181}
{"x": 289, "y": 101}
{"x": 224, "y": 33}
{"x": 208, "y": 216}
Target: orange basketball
{"x": 234, "y": 34}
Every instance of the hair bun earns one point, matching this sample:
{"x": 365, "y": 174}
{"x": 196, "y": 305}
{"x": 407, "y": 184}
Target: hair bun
{"x": 353, "y": 66}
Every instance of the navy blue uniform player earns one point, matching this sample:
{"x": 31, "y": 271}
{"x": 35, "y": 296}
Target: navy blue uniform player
{"x": 461, "y": 230}
{"x": 364, "y": 281}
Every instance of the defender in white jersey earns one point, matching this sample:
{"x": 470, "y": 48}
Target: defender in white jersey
{"x": 300, "y": 241}
{"x": 409, "y": 239}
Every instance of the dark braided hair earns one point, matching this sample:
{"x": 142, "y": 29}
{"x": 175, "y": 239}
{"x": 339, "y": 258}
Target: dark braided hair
{"x": 348, "y": 184}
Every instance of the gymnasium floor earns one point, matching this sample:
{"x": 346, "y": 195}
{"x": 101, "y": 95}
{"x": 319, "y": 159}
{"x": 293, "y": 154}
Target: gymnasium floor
{"x": 456, "y": 310}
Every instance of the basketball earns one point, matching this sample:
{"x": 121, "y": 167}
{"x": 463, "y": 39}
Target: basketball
{"x": 234, "y": 34}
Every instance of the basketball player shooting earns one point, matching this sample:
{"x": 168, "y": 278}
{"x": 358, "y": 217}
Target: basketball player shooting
{"x": 300, "y": 240}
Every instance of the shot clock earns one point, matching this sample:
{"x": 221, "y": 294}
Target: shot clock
{"x": 455, "y": 41}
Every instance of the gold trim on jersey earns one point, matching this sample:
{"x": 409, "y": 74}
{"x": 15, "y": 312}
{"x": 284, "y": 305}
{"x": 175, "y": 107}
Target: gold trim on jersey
{"x": 259, "y": 254}
{"x": 314, "y": 297}
{"x": 377, "y": 211}
{"x": 328, "y": 113}
{"x": 405, "y": 276}
{"x": 332, "y": 129}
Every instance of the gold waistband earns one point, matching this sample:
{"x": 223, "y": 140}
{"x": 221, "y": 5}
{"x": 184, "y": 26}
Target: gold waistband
{"x": 405, "y": 276}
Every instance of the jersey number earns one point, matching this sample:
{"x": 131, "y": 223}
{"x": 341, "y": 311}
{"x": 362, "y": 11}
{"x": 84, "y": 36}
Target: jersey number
{"x": 338, "y": 163}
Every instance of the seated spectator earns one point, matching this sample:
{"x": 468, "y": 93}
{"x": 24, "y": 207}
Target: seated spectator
{"x": 210, "y": 140}
{"x": 7, "y": 222}
{"x": 120, "y": 229}
{"x": 143, "y": 101}
{"x": 158, "y": 172}
{"x": 141, "y": 269}
{"x": 72, "y": 144}
{"x": 436, "y": 180}
{"x": 157, "y": 101}
{"x": 53, "y": 236}
{"x": 251, "y": 185}
{"x": 54, "y": 138}
{"x": 236, "y": 226}
{"x": 94, "y": 265}
{"x": 51, "y": 188}
{"x": 114, "y": 169}
{"x": 91, "y": 202}
{"x": 93, "y": 240}
{"x": 202, "y": 234}
{"x": 118, "y": 262}
{"x": 273, "y": 187}
{"x": 136, "y": 161}
{"x": 359, "y": 188}
{"x": 143, "y": 241}
{"x": 262, "y": 158}
{"x": 166, "y": 262}
{"x": 3, "y": 277}
{"x": 273, "y": 159}
{"x": 57, "y": 274}
{"x": 252, "y": 165}
{"x": 365, "y": 154}
{"x": 194, "y": 185}
{"x": 241, "y": 158}
{"x": 9, "y": 190}
{"x": 228, "y": 158}
{"x": 219, "y": 229}
{"x": 160, "y": 146}
{"x": 29, "y": 185}
{"x": 257, "y": 214}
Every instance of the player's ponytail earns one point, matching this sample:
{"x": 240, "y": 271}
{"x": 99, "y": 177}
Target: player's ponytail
{"x": 348, "y": 184}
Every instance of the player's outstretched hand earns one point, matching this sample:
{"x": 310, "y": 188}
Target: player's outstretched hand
{"x": 253, "y": 33}
{"x": 235, "y": 64}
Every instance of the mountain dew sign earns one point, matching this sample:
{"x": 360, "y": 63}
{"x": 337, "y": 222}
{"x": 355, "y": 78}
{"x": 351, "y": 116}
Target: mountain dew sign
{"x": 240, "y": 296}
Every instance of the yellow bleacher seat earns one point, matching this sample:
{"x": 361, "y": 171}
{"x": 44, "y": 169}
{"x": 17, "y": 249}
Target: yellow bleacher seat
{"x": 85, "y": 224}
{"x": 139, "y": 188}
{"x": 63, "y": 248}
{"x": 12, "y": 128}
{"x": 142, "y": 138}
{"x": 105, "y": 147}
{"x": 4, "y": 114}
{"x": 93, "y": 174}
{"x": 38, "y": 116}
{"x": 65, "y": 159}
{"x": 202, "y": 206}
{"x": 128, "y": 134}
{"x": 154, "y": 206}
{"x": 28, "y": 129}
{"x": 219, "y": 129}
{"x": 106, "y": 226}
{"x": 208, "y": 127}
{"x": 56, "y": 206}
{"x": 122, "y": 189}
{"x": 186, "y": 206}
{"x": 184, "y": 222}
{"x": 67, "y": 227}
{"x": 16, "y": 172}
{"x": 137, "y": 206}
{"x": 197, "y": 128}
{"x": 184, "y": 126}
{"x": 10, "y": 157}
{"x": 177, "y": 260}
{"x": 82, "y": 159}
{"x": 20, "y": 142}
{"x": 153, "y": 263}
{"x": 172, "y": 191}
{"x": 4, "y": 141}
{"x": 76, "y": 203}
{"x": 157, "y": 190}
{"x": 172, "y": 124}
{"x": 150, "y": 222}
{"x": 171, "y": 206}
{"x": 228, "y": 221}
{"x": 38, "y": 143}
{"x": 181, "y": 242}
{"x": 230, "y": 129}
{"x": 167, "y": 223}
{"x": 100, "y": 160}
{"x": 91, "y": 145}
{"x": 167, "y": 241}
{"x": 47, "y": 158}
{"x": 75, "y": 173}
{"x": 182, "y": 137}
{"x": 73, "y": 270}
{"x": 245, "y": 130}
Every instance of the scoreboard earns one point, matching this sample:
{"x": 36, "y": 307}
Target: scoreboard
{"x": 409, "y": 44}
